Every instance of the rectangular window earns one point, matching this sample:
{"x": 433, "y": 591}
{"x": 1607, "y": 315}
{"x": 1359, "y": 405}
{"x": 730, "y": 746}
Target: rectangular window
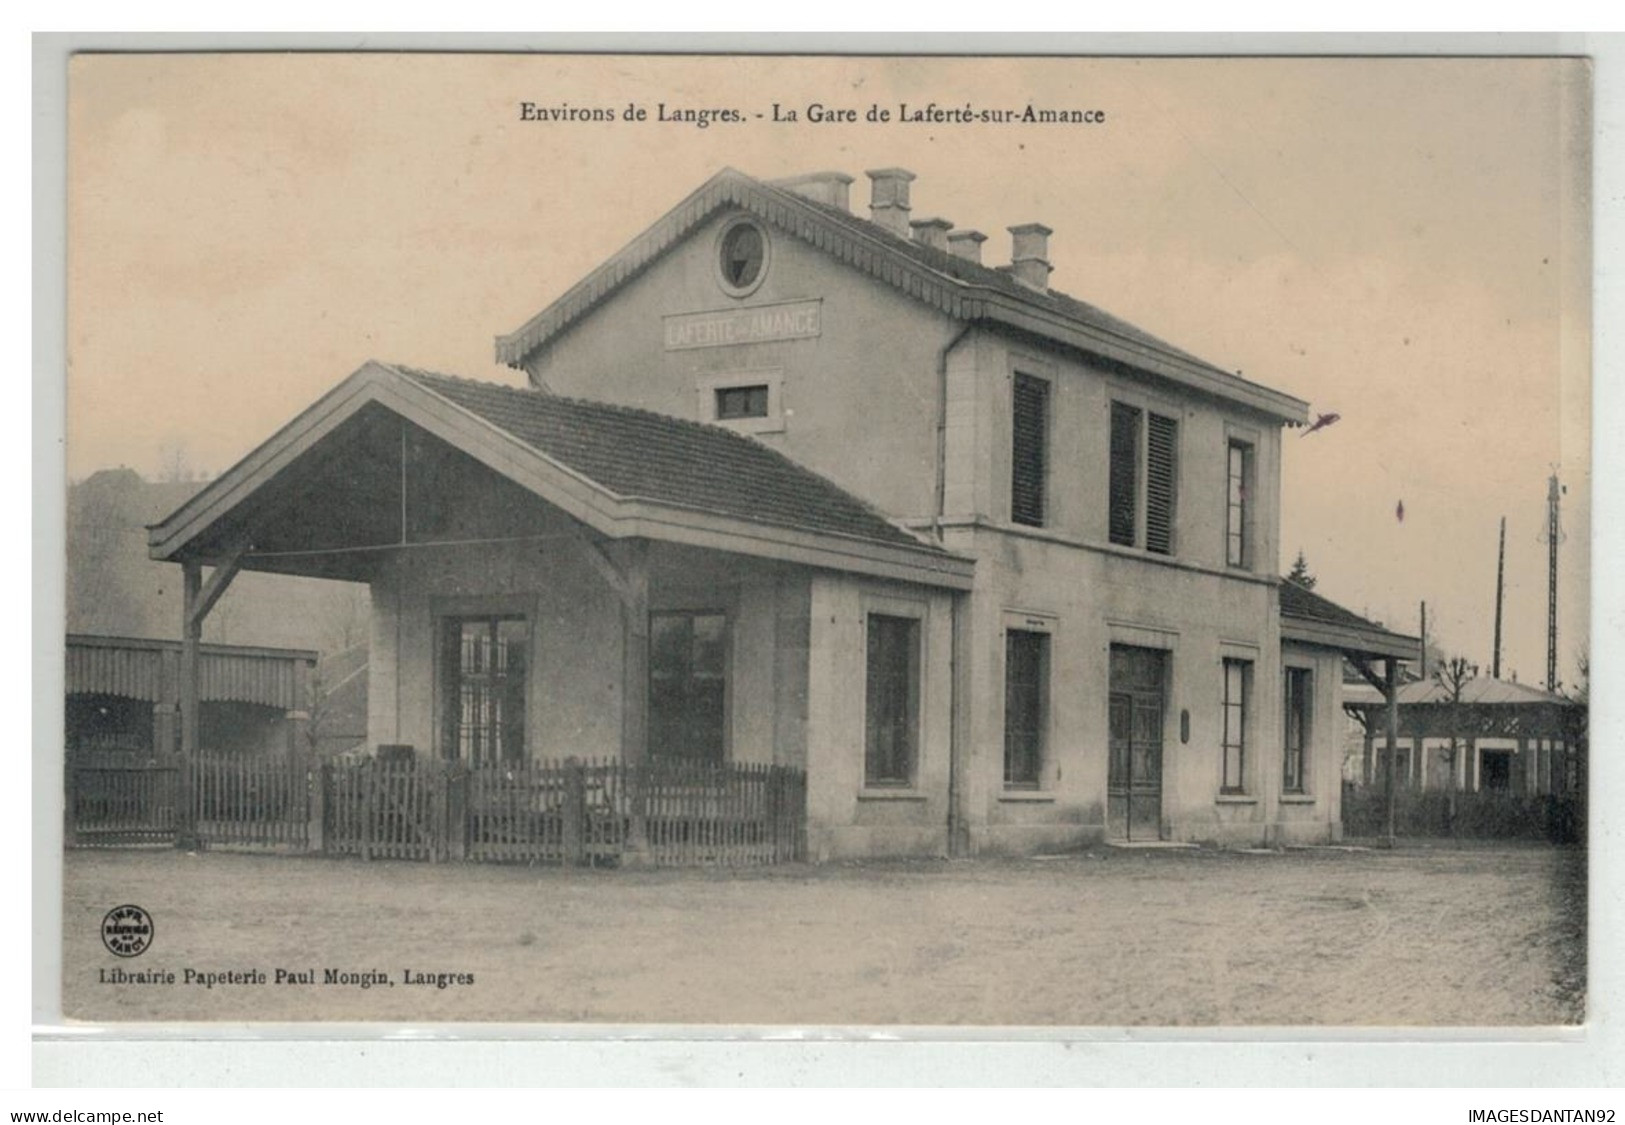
{"x": 1144, "y": 469}
{"x": 1029, "y": 454}
{"x": 1299, "y": 706}
{"x": 741, "y": 402}
{"x": 483, "y": 667}
{"x": 688, "y": 686}
{"x": 1026, "y": 680}
{"x": 891, "y": 700}
{"x": 1239, "y": 510}
{"x": 1161, "y": 482}
{"x": 1124, "y": 488}
{"x": 1237, "y": 683}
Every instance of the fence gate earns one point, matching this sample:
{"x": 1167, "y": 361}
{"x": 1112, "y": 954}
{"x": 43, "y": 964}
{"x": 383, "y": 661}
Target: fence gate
{"x": 380, "y": 809}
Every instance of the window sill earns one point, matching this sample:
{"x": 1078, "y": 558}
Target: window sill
{"x": 898, "y": 794}
{"x": 1235, "y": 799}
{"x": 1030, "y": 796}
{"x": 1297, "y": 799}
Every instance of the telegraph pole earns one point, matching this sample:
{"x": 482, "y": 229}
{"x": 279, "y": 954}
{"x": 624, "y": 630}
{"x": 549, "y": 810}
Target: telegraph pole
{"x": 1500, "y": 597}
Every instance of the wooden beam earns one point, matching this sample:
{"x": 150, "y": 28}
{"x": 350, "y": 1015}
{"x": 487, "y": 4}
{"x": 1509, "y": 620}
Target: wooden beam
{"x": 1363, "y": 666}
{"x": 219, "y": 580}
{"x": 635, "y": 665}
{"x": 604, "y": 563}
{"x": 191, "y": 642}
{"x": 635, "y": 693}
{"x": 1390, "y": 693}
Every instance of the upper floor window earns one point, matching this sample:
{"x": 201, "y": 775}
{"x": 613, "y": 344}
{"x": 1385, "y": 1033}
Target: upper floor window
{"x": 1143, "y": 488}
{"x": 1239, "y": 505}
{"x": 742, "y": 402}
{"x": 1029, "y": 452}
{"x": 891, "y": 700}
{"x": 742, "y": 257}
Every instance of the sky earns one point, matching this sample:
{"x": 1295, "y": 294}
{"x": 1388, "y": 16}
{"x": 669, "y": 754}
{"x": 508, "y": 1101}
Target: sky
{"x": 1402, "y": 242}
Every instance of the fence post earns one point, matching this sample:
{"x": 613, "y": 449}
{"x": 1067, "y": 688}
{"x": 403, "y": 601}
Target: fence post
{"x": 635, "y": 851}
{"x": 457, "y": 812}
{"x": 575, "y": 799}
{"x": 369, "y": 783}
{"x": 316, "y": 808}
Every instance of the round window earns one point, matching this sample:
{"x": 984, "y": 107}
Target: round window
{"x": 743, "y": 257}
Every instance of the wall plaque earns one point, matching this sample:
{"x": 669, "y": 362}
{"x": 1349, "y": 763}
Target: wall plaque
{"x": 792, "y": 320}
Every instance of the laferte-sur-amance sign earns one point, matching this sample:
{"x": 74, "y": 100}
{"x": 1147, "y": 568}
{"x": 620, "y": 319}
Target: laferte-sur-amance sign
{"x": 794, "y": 320}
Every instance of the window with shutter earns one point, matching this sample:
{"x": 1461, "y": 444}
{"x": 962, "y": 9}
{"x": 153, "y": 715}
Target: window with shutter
{"x": 1124, "y": 486}
{"x": 1028, "y": 453}
{"x": 1161, "y": 483}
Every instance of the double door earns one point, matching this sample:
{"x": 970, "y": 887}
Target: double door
{"x": 1134, "y": 773}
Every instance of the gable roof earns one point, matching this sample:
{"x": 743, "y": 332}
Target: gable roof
{"x": 1311, "y": 619}
{"x": 956, "y": 286}
{"x": 621, "y": 471}
{"x": 638, "y": 454}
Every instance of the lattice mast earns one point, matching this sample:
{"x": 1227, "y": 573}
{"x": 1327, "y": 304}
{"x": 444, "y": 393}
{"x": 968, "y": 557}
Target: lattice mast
{"x": 1553, "y": 537}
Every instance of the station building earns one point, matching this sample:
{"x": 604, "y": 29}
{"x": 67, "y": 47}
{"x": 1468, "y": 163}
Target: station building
{"x": 789, "y": 484}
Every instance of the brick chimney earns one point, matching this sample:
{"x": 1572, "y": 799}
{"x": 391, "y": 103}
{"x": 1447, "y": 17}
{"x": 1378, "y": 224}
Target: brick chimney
{"x": 966, "y": 244}
{"x": 888, "y": 199}
{"x": 828, "y": 188}
{"x": 1029, "y": 255}
{"x": 932, "y": 232}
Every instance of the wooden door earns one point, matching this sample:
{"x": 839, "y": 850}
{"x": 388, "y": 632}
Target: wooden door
{"x": 1134, "y": 771}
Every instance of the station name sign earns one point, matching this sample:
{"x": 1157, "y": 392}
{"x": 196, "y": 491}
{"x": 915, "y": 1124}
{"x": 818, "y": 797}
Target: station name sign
{"x": 794, "y": 320}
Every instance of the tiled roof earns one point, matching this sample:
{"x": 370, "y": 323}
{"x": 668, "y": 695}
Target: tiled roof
{"x": 1306, "y": 616}
{"x": 958, "y": 287}
{"x": 974, "y": 273}
{"x": 1306, "y": 605}
{"x": 638, "y": 454}
{"x": 1479, "y": 690}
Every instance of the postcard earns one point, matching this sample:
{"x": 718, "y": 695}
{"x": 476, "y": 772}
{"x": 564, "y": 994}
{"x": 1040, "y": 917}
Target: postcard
{"x": 826, "y": 541}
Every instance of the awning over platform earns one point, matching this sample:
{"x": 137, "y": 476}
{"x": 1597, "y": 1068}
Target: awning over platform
{"x": 1308, "y": 618}
{"x": 364, "y": 471}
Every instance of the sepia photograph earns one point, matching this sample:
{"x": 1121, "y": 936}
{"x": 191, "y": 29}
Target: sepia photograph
{"x": 851, "y": 541}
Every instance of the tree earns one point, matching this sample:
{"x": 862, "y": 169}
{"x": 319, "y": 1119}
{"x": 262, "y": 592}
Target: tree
{"x": 1452, "y": 676}
{"x": 1300, "y": 572}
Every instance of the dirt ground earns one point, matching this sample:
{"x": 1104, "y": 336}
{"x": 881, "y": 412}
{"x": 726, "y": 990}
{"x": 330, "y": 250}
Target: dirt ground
{"x": 1470, "y": 936}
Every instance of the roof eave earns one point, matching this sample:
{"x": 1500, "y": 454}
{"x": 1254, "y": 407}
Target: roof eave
{"x": 578, "y": 496}
{"x": 1350, "y": 639}
{"x": 969, "y": 300}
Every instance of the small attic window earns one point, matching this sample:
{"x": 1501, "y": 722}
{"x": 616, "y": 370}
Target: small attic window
{"x": 742, "y": 257}
{"x": 741, "y": 402}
